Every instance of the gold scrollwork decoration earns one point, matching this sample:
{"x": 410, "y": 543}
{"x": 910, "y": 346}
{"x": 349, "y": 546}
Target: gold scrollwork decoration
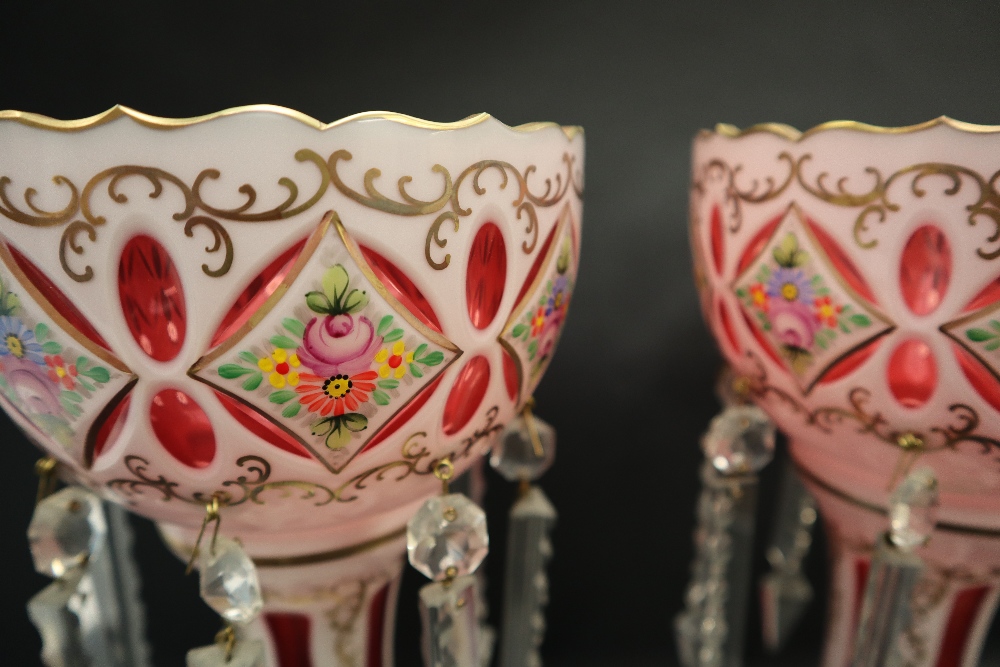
{"x": 756, "y": 192}
{"x": 875, "y": 203}
{"x": 250, "y": 487}
{"x": 39, "y": 217}
{"x": 81, "y": 201}
{"x": 963, "y": 430}
{"x": 417, "y": 459}
{"x": 525, "y": 202}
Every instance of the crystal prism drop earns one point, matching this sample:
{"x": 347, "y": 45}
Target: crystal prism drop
{"x": 447, "y": 537}
{"x": 525, "y": 581}
{"x": 785, "y": 593}
{"x": 885, "y": 610}
{"x": 710, "y": 631}
{"x": 739, "y": 440}
{"x": 913, "y": 509}
{"x": 229, "y": 582}
{"x": 450, "y": 623}
{"x": 515, "y": 454}
{"x": 58, "y": 626}
{"x": 784, "y": 598}
{"x": 246, "y": 653}
{"x": 66, "y": 529}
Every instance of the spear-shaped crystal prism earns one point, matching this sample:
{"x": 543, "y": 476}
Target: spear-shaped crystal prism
{"x": 51, "y": 612}
{"x": 526, "y": 581}
{"x": 913, "y": 509}
{"x": 451, "y": 623}
{"x": 895, "y": 572}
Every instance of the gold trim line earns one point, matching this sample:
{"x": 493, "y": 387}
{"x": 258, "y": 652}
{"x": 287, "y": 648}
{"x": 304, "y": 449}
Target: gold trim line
{"x": 792, "y": 134}
{"x": 161, "y": 123}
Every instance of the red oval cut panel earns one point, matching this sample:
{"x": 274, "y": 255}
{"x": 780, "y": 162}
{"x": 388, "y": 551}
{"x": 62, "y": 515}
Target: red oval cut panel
{"x": 985, "y": 383}
{"x": 511, "y": 376}
{"x": 466, "y": 394}
{"x": 256, "y": 293}
{"x": 925, "y": 269}
{"x": 717, "y": 236}
{"x": 404, "y": 415}
{"x": 152, "y": 298}
{"x": 55, "y": 296}
{"x": 401, "y": 287}
{"x": 183, "y": 428}
{"x": 486, "y": 275}
{"x": 912, "y": 373}
{"x": 260, "y": 426}
{"x": 110, "y": 427}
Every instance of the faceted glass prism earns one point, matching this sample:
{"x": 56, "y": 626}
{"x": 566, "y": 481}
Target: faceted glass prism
{"x": 913, "y": 509}
{"x": 515, "y": 455}
{"x": 447, "y": 537}
{"x": 451, "y": 628}
{"x": 66, "y": 529}
{"x": 50, "y": 611}
{"x": 229, "y": 582}
{"x": 739, "y": 440}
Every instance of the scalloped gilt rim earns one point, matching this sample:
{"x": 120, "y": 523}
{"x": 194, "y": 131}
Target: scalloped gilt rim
{"x": 792, "y": 134}
{"x": 160, "y": 123}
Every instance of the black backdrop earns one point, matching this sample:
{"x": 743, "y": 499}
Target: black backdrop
{"x": 630, "y": 389}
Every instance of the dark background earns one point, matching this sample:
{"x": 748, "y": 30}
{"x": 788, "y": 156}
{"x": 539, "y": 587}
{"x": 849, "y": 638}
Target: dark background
{"x": 631, "y": 388}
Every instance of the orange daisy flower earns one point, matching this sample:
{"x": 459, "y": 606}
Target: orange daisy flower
{"x": 827, "y": 311}
{"x": 60, "y": 372}
{"x": 759, "y": 296}
{"x": 337, "y": 394}
{"x": 538, "y": 322}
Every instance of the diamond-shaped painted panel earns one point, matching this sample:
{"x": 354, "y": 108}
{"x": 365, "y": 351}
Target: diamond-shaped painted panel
{"x": 331, "y": 356}
{"x": 801, "y": 306}
{"x": 533, "y": 329}
{"x": 979, "y": 335}
{"x": 52, "y": 375}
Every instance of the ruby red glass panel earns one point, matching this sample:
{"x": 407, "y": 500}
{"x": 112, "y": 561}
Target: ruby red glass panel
{"x": 925, "y": 269}
{"x": 401, "y": 287}
{"x": 466, "y": 395}
{"x": 256, "y": 293}
{"x": 912, "y": 373}
{"x": 486, "y": 275}
{"x": 152, "y": 298}
{"x": 183, "y": 428}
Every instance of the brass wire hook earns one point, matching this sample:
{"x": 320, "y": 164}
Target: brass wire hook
{"x": 211, "y": 514}
{"x": 529, "y": 420}
{"x": 226, "y": 637}
{"x": 45, "y": 468}
{"x": 444, "y": 470}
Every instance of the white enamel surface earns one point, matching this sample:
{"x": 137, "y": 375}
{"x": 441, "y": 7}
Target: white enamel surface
{"x": 843, "y": 455}
{"x": 258, "y": 148}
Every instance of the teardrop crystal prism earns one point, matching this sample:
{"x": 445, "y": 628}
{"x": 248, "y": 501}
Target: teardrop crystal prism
{"x": 229, "y": 582}
{"x": 913, "y": 509}
{"x": 66, "y": 529}
{"x": 517, "y": 456}
{"x": 447, "y": 537}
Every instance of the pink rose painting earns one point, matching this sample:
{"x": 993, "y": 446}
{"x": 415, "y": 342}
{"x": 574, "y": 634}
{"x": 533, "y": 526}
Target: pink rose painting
{"x": 339, "y": 344}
